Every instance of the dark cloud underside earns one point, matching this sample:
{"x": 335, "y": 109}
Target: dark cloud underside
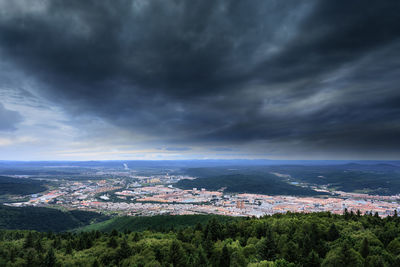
{"x": 319, "y": 74}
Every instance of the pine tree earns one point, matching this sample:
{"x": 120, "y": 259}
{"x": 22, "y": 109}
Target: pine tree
{"x": 224, "y": 260}
{"x": 124, "y": 251}
{"x": 394, "y": 247}
{"x": 191, "y": 260}
{"x": 237, "y": 259}
{"x": 333, "y": 233}
{"x": 28, "y": 242}
{"x": 30, "y": 257}
{"x": 348, "y": 255}
{"x": 114, "y": 232}
{"x": 267, "y": 247}
{"x": 38, "y": 245}
{"x": 306, "y": 245}
{"x": 135, "y": 237}
{"x": 214, "y": 228}
{"x": 260, "y": 230}
{"x": 180, "y": 236}
{"x": 50, "y": 259}
{"x": 312, "y": 260}
{"x": 358, "y": 213}
{"x": 97, "y": 234}
{"x": 201, "y": 258}
{"x": 290, "y": 251}
{"x": 376, "y": 261}
{"x": 68, "y": 247}
{"x": 112, "y": 243}
{"x": 81, "y": 243}
{"x": 364, "y": 250}
{"x": 176, "y": 254}
{"x": 57, "y": 242}
{"x": 198, "y": 227}
{"x": 346, "y": 214}
{"x": 208, "y": 245}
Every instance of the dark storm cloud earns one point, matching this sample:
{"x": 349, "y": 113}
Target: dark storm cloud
{"x": 221, "y": 149}
{"x": 317, "y": 73}
{"x": 337, "y": 32}
{"x": 8, "y": 119}
{"x": 177, "y": 148}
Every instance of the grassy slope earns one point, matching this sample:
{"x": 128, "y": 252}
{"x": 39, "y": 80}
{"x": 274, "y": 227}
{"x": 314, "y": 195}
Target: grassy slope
{"x": 159, "y": 222}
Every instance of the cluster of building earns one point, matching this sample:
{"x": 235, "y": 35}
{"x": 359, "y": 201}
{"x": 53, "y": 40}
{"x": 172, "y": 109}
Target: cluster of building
{"x": 157, "y": 195}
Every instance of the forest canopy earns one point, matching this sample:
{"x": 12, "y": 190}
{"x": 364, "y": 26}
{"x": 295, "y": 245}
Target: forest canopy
{"x": 317, "y": 239}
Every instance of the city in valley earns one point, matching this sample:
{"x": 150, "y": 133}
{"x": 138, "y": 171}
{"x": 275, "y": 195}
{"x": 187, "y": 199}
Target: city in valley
{"x": 129, "y": 192}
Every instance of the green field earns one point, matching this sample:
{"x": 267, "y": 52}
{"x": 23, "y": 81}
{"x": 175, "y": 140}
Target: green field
{"x": 157, "y": 223}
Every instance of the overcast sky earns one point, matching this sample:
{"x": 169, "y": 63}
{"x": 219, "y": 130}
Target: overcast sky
{"x": 172, "y": 79}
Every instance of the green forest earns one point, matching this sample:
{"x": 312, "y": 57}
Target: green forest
{"x": 268, "y": 184}
{"x": 379, "y": 179}
{"x": 46, "y": 219}
{"x": 317, "y": 239}
{"x": 20, "y": 186}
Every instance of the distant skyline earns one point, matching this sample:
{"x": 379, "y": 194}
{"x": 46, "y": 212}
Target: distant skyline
{"x": 155, "y": 80}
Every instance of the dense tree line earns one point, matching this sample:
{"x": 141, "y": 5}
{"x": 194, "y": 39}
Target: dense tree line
{"x": 266, "y": 183}
{"x": 46, "y": 219}
{"x": 318, "y": 239}
{"x": 20, "y": 186}
{"x": 378, "y": 179}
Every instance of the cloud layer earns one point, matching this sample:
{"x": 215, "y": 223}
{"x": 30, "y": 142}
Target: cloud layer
{"x": 281, "y": 76}
{"x": 8, "y": 119}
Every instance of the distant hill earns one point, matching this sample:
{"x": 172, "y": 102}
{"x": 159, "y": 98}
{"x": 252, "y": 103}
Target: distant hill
{"x": 20, "y": 186}
{"x": 158, "y": 223}
{"x": 268, "y": 184}
{"x": 45, "y": 219}
{"x": 379, "y": 178}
